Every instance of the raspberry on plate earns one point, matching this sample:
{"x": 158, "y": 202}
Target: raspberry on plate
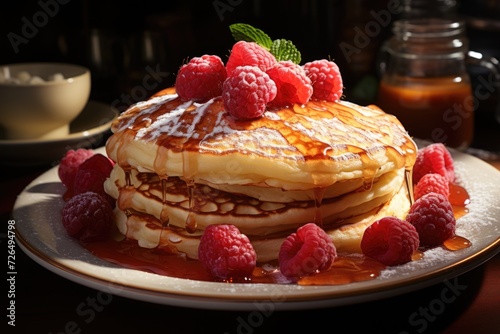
{"x": 431, "y": 183}
{"x": 91, "y": 175}
{"x": 306, "y": 251}
{"x": 99, "y": 163}
{"x": 89, "y": 180}
{"x": 433, "y": 217}
{"x": 326, "y": 80}
{"x": 390, "y": 240}
{"x": 87, "y": 217}
{"x": 249, "y": 53}
{"x": 292, "y": 83}
{"x": 69, "y": 165}
{"x": 434, "y": 158}
{"x": 247, "y": 92}
{"x": 201, "y": 79}
{"x": 226, "y": 253}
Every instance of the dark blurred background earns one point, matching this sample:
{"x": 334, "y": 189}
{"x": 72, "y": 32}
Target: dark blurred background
{"x": 134, "y": 48}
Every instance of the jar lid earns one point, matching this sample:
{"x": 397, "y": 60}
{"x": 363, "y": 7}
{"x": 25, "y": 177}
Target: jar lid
{"x": 428, "y": 28}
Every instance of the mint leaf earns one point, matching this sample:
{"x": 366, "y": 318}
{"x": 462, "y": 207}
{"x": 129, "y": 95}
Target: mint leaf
{"x": 245, "y": 32}
{"x": 283, "y": 49}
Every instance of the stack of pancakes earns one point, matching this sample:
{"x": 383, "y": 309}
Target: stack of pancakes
{"x": 182, "y": 165}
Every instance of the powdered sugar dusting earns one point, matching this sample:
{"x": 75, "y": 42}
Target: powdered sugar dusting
{"x": 481, "y": 207}
{"x": 166, "y": 124}
{"x": 272, "y": 116}
{"x": 145, "y": 108}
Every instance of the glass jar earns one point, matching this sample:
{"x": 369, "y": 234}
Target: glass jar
{"x": 425, "y": 82}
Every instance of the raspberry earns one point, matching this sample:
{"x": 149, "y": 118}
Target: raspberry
{"x": 201, "y": 79}
{"x": 432, "y": 216}
{"x": 87, "y": 217}
{"x": 99, "y": 163}
{"x": 246, "y": 93}
{"x": 91, "y": 175}
{"x": 89, "y": 180}
{"x": 226, "y": 253}
{"x": 293, "y": 85}
{"x": 434, "y": 158}
{"x": 306, "y": 251}
{"x": 326, "y": 79}
{"x": 70, "y": 163}
{"x": 390, "y": 240}
{"x": 249, "y": 53}
{"x": 432, "y": 183}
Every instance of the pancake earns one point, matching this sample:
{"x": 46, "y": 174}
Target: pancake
{"x": 265, "y": 223}
{"x": 182, "y": 166}
{"x": 302, "y": 147}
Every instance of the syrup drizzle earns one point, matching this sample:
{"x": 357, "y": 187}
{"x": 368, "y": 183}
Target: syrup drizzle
{"x": 456, "y": 243}
{"x": 189, "y": 171}
{"x": 319, "y": 193}
{"x": 459, "y": 199}
{"x": 191, "y": 224}
{"x": 417, "y": 255}
{"x": 409, "y": 184}
{"x": 164, "y": 214}
{"x": 129, "y": 254}
{"x": 344, "y": 270}
{"x": 124, "y": 201}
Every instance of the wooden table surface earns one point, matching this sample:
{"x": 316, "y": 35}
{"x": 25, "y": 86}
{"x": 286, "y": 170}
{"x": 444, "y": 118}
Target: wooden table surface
{"x": 48, "y": 303}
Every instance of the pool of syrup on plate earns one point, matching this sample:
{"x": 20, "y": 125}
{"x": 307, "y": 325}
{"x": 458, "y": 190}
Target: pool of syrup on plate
{"x": 347, "y": 268}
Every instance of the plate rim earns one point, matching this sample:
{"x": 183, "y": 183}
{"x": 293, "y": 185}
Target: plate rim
{"x": 417, "y": 282}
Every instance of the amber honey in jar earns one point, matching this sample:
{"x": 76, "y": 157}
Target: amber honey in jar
{"x": 425, "y": 81}
{"x": 437, "y": 109}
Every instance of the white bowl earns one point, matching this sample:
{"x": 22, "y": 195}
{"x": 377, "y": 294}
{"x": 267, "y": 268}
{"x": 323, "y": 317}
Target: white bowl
{"x": 33, "y": 105}
{"x": 89, "y": 130}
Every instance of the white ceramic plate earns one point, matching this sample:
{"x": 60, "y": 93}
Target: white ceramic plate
{"x": 41, "y": 235}
{"x": 87, "y": 130}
